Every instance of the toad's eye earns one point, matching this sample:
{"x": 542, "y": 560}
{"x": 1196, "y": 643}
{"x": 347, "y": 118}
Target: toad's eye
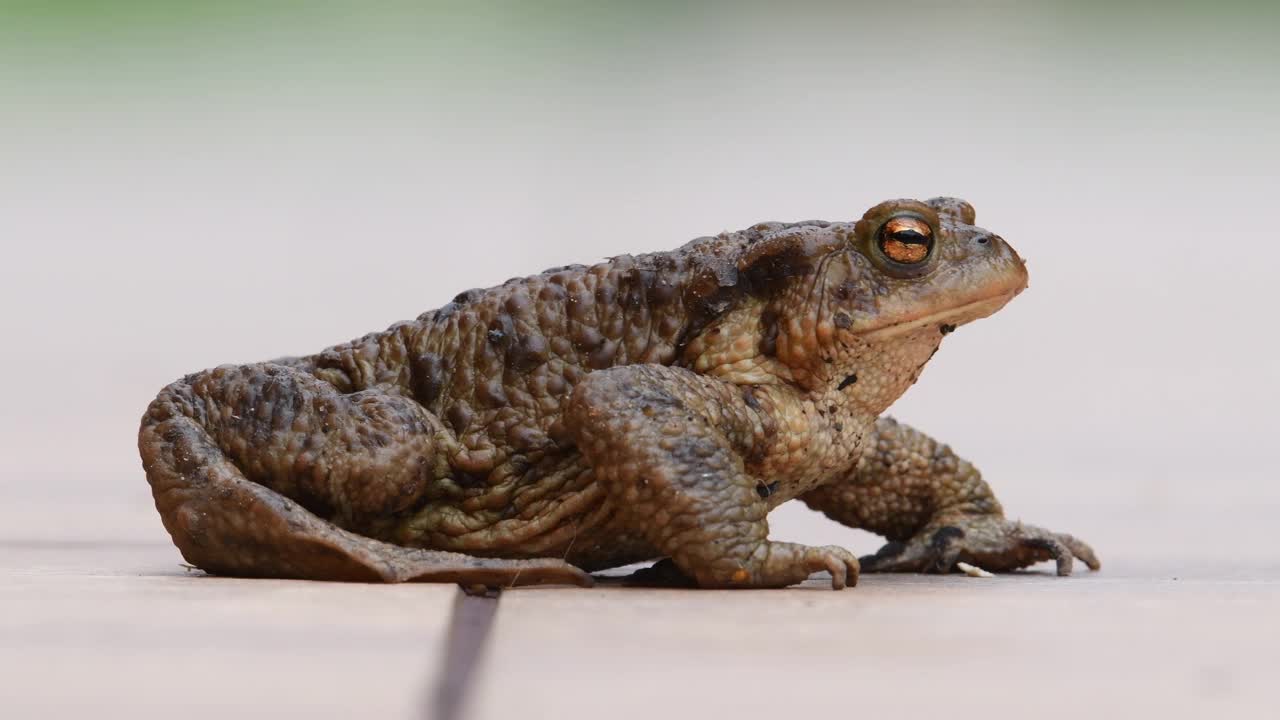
{"x": 906, "y": 240}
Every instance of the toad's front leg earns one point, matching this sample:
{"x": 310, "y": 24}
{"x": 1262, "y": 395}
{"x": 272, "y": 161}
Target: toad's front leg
{"x": 667, "y": 446}
{"x": 936, "y": 511}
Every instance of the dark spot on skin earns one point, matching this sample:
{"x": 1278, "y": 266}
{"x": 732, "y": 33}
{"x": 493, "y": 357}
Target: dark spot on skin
{"x": 891, "y": 550}
{"x": 525, "y": 437}
{"x": 580, "y": 306}
{"x": 603, "y": 356}
{"x": 765, "y": 491}
{"x": 843, "y": 321}
{"x": 943, "y": 538}
{"x": 839, "y": 427}
{"x": 493, "y": 393}
{"x": 552, "y": 293}
{"x": 642, "y": 277}
{"x": 467, "y": 296}
{"x": 769, "y": 333}
{"x": 888, "y": 551}
{"x": 853, "y": 378}
{"x": 587, "y": 338}
{"x": 947, "y": 328}
{"x": 311, "y": 500}
{"x": 659, "y": 292}
{"x": 560, "y": 346}
{"x": 557, "y": 385}
{"x": 983, "y": 240}
{"x": 469, "y": 481}
{"x": 329, "y": 359}
{"x": 769, "y": 263}
{"x": 517, "y": 304}
{"x": 1040, "y": 544}
{"x": 631, "y": 287}
{"x": 708, "y": 281}
{"x": 527, "y": 353}
{"x": 749, "y": 397}
{"x": 501, "y": 329}
{"x": 560, "y": 435}
{"x": 711, "y": 291}
{"x": 459, "y": 416}
{"x": 427, "y": 376}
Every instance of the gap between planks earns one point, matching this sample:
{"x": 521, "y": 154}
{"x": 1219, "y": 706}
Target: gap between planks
{"x": 469, "y": 626}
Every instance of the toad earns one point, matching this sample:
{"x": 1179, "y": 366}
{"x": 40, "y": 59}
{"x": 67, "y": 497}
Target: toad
{"x": 649, "y": 407}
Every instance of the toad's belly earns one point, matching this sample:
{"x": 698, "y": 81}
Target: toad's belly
{"x": 549, "y": 506}
{"x": 540, "y": 507}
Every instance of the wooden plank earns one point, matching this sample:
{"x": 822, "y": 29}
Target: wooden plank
{"x": 126, "y": 631}
{"x": 1130, "y": 641}
{"x": 122, "y": 627}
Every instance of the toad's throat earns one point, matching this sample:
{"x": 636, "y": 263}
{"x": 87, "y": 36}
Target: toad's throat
{"x": 952, "y": 316}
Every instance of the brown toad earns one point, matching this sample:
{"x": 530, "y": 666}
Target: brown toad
{"x": 656, "y": 406}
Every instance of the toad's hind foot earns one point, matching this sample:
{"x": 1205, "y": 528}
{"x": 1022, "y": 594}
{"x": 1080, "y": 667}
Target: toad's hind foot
{"x": 987, "y": 541}
{"x": 226, "y": 524}
{"x": 840, "y": 563}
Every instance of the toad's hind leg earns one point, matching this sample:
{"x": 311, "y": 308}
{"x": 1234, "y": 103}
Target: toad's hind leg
{"x": 230, "y": 453}
{"x": 667, "y": 447}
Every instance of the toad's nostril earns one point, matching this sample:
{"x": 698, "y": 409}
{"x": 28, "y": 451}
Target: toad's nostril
{"x": 983, "y": 240}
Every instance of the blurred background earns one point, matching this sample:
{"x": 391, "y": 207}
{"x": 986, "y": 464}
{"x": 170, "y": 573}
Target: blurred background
{"x": 189, "y": 184}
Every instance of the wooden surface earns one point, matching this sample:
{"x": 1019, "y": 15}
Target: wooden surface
{"x": 102, "y": 630}
{"x": 1025, "y": 646}
{"x": 116, "y": 627}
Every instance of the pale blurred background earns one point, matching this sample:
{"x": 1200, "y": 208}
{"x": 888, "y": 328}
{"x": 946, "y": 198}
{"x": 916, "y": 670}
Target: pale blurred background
{"x": 189, "y": 184}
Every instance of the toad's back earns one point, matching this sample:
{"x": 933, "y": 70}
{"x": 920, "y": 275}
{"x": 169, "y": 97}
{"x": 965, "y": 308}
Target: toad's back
{"x": 496, "y": 365}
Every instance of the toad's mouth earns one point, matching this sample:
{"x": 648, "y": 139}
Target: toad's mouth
{"x": 952, "y": 316}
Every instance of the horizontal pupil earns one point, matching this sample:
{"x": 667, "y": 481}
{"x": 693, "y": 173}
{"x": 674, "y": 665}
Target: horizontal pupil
{"x": 910, "y": 237}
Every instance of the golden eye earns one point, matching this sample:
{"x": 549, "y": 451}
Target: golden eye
{"x": 907, "y": 240}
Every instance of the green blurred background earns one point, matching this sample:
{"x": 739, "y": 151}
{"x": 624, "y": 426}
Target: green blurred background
{"x": 187, "y": 184}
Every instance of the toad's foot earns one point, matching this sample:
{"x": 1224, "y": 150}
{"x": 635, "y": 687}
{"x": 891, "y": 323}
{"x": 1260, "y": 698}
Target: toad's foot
{"x": 989, "y": 542}
{"x": 838, "y": 562}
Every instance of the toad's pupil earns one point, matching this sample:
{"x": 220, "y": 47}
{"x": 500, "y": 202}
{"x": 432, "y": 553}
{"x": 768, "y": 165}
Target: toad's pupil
{"x": 906, "y": 246}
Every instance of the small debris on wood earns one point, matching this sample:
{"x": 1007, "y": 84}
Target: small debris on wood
{"x": 973, "y": 570}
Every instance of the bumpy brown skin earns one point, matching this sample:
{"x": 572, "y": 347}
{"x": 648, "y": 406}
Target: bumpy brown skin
{"x": 647, "y": 407}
